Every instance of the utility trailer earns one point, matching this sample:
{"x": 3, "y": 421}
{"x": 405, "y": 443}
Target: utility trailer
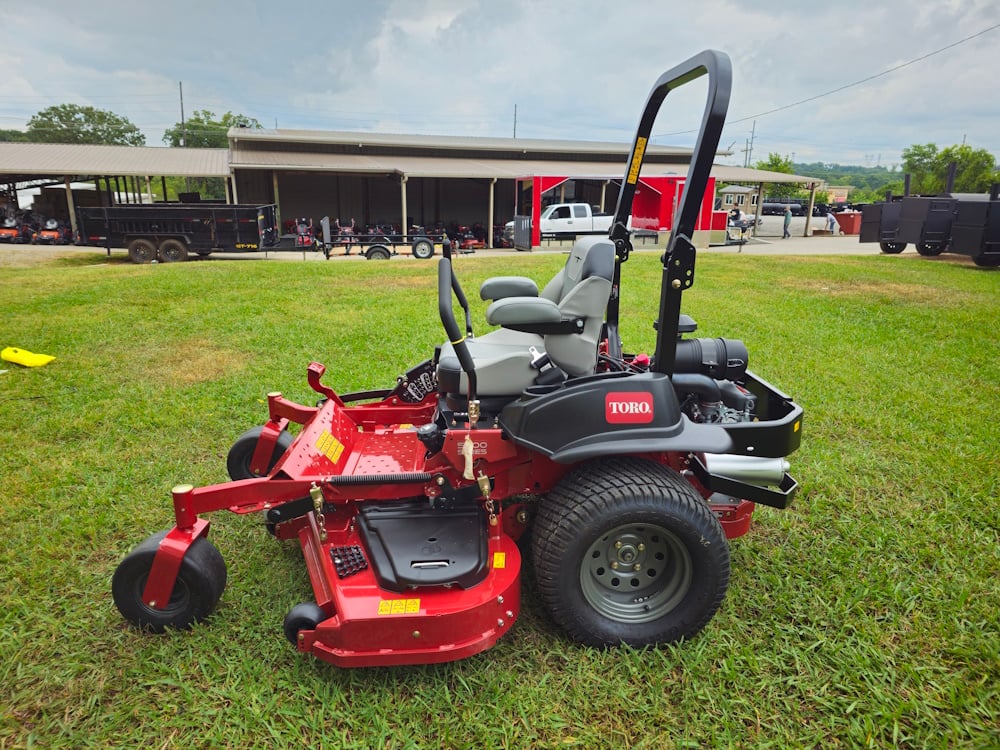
{"x": 171, "y": 232}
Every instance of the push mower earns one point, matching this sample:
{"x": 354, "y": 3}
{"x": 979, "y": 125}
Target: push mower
{"x": 409, "y": 503}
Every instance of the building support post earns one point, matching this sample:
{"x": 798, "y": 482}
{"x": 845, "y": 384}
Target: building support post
{"x": 70, "y": 205}
{"x": 489, "y": 223}
{"x": 404, "y": 229}
{"x": 809, "y": 211}
{"x": 760, "y": 207}
{"x": 277, "y": 200}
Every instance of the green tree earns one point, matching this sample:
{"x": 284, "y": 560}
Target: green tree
{"x": 976, "y": 168}
{"x": 72, "y": 123}
{"x": 8, "y": 136}
{"x": 202, "y": 130}
{"x": 919, "y": 161}
{"x": 778, "y": 163}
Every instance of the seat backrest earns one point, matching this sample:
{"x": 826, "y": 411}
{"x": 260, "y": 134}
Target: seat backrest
{"x": 581, "y": 290}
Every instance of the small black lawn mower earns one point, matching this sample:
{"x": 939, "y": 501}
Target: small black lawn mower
{"x": 408, "y": 503}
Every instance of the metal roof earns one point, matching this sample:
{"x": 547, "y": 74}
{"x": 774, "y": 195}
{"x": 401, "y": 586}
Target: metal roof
{"x": 27, "y": 161}
{"x": 436, "y": 166}
{"x": 253, "y": 136}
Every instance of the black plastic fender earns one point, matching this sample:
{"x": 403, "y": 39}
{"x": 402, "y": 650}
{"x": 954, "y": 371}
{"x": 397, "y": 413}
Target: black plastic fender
{"x": 609, "y": 414}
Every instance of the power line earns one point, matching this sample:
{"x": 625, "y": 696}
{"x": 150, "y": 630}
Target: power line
{"x": 846, "y": 85}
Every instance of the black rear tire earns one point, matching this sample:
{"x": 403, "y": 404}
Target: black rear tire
{"x": 173, "y": 251}
{"x": 930, "y": 249}
{"x": 986, "y": 261}
{"x": 892, "y": 248}
{"x": 199, "y": 585}
{"x": 625, "y": 551}
{"x": 241, "y": 453}
{"x": 141, "y": 251}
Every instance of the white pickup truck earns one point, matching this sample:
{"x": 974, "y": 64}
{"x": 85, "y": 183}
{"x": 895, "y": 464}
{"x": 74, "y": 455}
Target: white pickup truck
{"x": 563, "y": 219}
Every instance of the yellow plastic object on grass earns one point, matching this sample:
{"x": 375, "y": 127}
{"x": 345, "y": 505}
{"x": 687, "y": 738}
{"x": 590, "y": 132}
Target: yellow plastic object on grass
{"x": 24, "y": 357}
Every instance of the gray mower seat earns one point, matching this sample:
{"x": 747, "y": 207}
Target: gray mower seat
{"x": 563, "y": 321}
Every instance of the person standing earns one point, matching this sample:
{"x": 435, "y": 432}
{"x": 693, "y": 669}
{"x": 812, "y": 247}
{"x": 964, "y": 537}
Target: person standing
{"x": 788, "y": 222}
{"x": 831, "y": 222}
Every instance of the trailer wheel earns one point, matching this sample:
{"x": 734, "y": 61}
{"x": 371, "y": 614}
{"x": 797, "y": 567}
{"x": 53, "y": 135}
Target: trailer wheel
{"x": 625, "y": 551}
{"x": 986, "y": 261}
{"x": 305, "y": 616}
{"x": 378, "y": 252}
{"x": 892, "y": 248}
{"x": 141, "y": 251}
{"x": 930, "y": 249}
{"x": 173, "y": 251}
{"x": 240, "y": 455}
{"x": 199, "y": 585}
{"x": 423, "y": 248}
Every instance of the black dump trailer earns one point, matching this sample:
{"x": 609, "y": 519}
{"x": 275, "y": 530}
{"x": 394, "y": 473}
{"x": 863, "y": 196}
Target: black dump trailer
{"x": 975, "y": 231}
{"x": 880, "y": 223}
{"x": 171, "y": 232}
{"x": 926, "y": 222}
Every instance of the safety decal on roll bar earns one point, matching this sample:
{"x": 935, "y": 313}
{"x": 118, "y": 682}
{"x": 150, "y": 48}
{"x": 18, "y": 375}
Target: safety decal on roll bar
{"x": 633, "y": 170}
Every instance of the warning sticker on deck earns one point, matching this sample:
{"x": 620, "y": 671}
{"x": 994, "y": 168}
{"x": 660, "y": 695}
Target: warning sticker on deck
{"x": 330, "y": 447}
{"x": 399, "y": 606}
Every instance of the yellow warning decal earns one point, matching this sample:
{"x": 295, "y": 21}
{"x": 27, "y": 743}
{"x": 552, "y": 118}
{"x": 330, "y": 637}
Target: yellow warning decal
{"x": 795, "y": 428}
{"x": 398, "y": 607}
{"x": 633, "y": 170}
{"x": 330, "y": 447}
{"x": 499, "y": 559}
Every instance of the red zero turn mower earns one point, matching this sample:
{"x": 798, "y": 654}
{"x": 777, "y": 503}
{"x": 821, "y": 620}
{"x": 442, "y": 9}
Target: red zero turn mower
{"x": 409, "y": 503}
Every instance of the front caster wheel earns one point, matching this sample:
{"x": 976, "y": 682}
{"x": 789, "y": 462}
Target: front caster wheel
{"x": 199, "y": 585}
{"x": 305, "y": 616}
{"x": 241, "y": 454}
{"x": 626, "y": 551}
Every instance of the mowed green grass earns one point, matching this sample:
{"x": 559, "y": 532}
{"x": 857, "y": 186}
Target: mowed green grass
{"x": 865, "y": 615}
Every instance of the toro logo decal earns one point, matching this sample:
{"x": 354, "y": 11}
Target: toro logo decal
{"x": 628, "y": 408}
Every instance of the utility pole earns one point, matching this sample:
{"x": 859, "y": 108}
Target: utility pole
{"x": 180, "y": 85}
{"x": 515, "y": 121}
{"x": 753, "y": 131}
{"x": 187, "y": 180}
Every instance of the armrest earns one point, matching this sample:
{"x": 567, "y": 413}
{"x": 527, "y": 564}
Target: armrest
{"x": 518, "y": 311}
{"x": 500, "y": 287}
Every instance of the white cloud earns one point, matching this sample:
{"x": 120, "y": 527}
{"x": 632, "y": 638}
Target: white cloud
{"x": 575, "y": 71}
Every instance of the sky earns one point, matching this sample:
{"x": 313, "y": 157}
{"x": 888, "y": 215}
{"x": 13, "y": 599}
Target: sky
{"x": 925, "y": 72}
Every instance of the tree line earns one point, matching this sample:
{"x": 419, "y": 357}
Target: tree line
{"x": 73, "y": 123}
{"x": 976, "y": 170}
{"x": 927, "y": 165}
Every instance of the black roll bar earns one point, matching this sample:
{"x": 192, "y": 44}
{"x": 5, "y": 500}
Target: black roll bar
{"x": 678, "y": 260}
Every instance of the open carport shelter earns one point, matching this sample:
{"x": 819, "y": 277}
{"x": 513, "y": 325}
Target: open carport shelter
{"x": 123, "y": 174}
{"x": 372, "y": 178}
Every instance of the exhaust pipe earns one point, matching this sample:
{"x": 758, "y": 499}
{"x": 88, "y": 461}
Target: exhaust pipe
{"x": 750, "y": 469}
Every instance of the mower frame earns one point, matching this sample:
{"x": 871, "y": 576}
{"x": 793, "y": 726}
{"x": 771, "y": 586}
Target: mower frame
{"x": 409, "y": 510}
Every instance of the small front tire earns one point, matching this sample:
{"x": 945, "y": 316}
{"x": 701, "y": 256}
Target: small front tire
{"x": 241, "y": 454}
{"x": 197, "y": 589}
{"x": 305, "y": 616}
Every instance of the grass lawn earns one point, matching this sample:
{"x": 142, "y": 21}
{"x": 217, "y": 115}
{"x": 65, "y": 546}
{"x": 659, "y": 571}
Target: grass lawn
{"x": 865, "y": 615}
